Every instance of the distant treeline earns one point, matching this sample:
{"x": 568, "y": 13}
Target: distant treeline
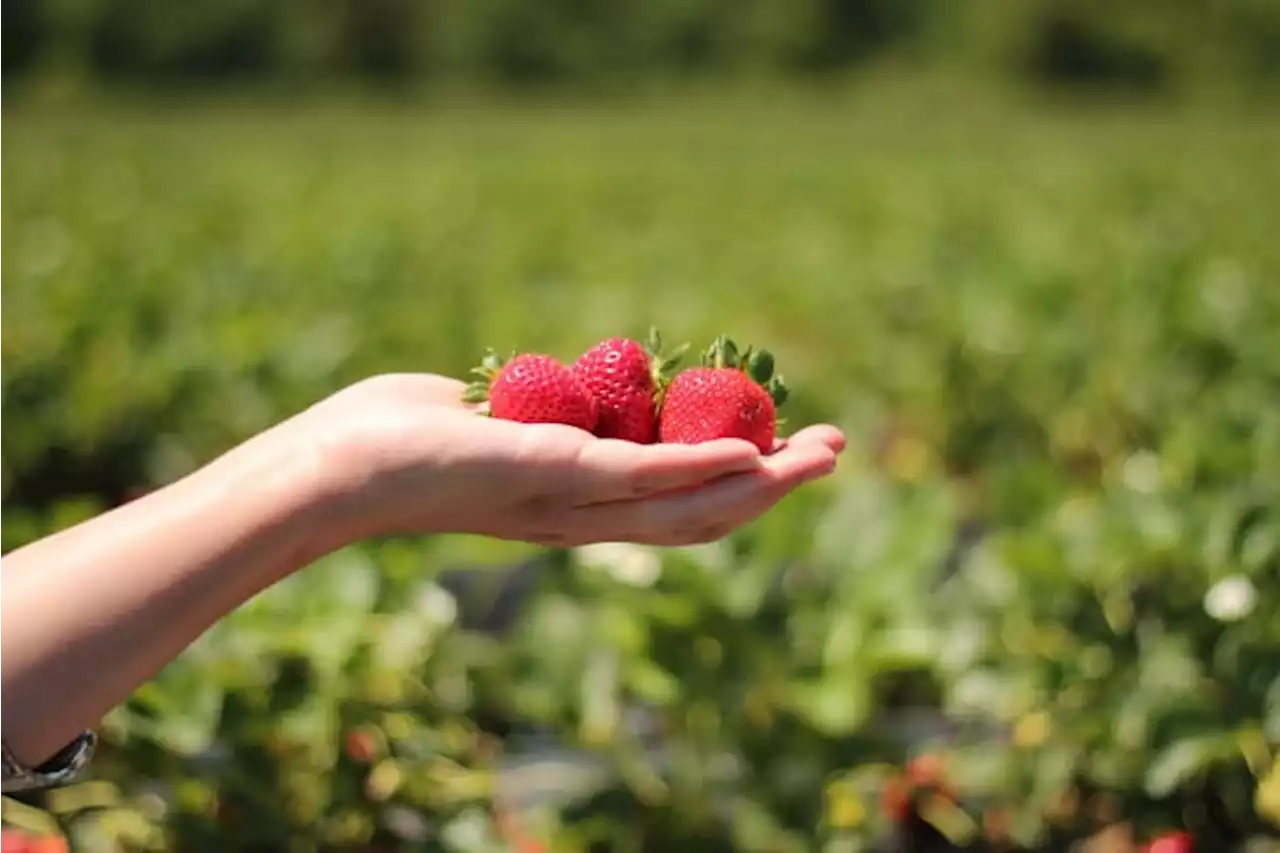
{"x": 1136, "y": 43}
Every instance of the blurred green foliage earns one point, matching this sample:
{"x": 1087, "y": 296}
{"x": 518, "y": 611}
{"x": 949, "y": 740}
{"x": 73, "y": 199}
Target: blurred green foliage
{"x": 1144, "y": 44}
{"x": 1057, "y": 325}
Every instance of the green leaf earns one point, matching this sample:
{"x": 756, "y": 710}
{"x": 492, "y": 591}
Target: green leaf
{"x": 777, "y": 388}
{"x": 476, "y": 392}
{"x": 654, "y": 342}
{"x": 834, "y": 704}
{"x": 723, "y": 352}
{"x": 729, "y": 352}
{"x": 1184, "y": 760}
{"x": 760, "y": 365}
{"x": 652, "y": 683}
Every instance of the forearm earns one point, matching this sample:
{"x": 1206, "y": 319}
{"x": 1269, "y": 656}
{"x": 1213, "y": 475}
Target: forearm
{"x": 90, "y": 613}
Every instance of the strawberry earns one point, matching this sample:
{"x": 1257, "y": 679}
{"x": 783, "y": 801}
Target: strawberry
{"x": 532, "y": 388}
{"x": 728, "y": 396}
{"x": 928, "y": 771}
{"x": 1172, "y": 842}
{"x": 625, "y": 377}
{"x": 924, "y": 775}
{"x": 48, "y": 844}
{"x": 360, "y": 746}
{"x": 895, "y": 800}
{"x": 14, "y": 841}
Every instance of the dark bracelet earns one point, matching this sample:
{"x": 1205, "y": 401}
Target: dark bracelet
{"x": 59, "y": 770}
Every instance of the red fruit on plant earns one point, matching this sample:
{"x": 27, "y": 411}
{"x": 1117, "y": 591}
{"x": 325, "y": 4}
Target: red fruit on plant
{"x": 48, "y": 844}
{"x": 514, "y": 834}
{"x": 625, "y": 377}
{"x": 728, "y": 396}
{"x": 925, "y": 769}
{"x": 997, "y": 826}
{"x": 895, "y": 800}
{"x": 1172, "y": 842}
{"x": 360, "y": 746}
{"x": 929, "y": 772}
{"x": 14, "y": 841}
{"x": 534, "y": 389}
{"x": 923, "y": 775}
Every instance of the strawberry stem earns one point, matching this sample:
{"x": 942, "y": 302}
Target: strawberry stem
{"x": 490, "y": 366}
{"x": 662, "y": 368}
{"x": 777, "y": 389}
{"x": 476, "y": 392}
{"x": 757, "y": 363}
{"x": 722, "y": 353}
{"x": 653, "y": 344}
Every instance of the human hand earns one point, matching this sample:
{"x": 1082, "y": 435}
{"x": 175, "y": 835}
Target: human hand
{"x": 402, "y": 454}
{"x": 119, "y": 596}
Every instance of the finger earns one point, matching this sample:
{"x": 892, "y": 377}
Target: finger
{"x": 609, "y": 470}
{"x": 715, "y": 512}
{"x": 708, "y": 512}
{"x": 423, "y": 388}
{"x": 430, "y": 386}
{"x": 824, "y": 434}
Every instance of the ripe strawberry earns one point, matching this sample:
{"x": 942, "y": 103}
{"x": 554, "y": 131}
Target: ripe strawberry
{"x": 16, "y": 841}
{"x": 360, "y": 746}
{"x": 48, "y": 844}
{"x": 532, "y": 388}
{"x": 924, "y": 775}
{"x": 895, "y": 799}
{"x": 13, "y": 842}
{"x": 728, "y": 396}
{"x": 625, "y": 377}
{"x": 1172, "y": 842}
{"x": 928, "y": 771}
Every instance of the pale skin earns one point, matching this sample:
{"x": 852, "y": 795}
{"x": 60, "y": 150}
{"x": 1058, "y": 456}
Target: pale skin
{"x": 89, "y": 614}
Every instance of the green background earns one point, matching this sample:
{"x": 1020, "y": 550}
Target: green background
{"x": 1040, "y": 295}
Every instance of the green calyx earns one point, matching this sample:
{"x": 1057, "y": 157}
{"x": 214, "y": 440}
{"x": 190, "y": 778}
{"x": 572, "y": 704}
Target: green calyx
{"x": 757, "y": 363}
{"x": 662, "y": 367}
{"x": 490, "y": 367}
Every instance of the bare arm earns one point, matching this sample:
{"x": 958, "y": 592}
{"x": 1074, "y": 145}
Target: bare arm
{"x": 92, "y": 612}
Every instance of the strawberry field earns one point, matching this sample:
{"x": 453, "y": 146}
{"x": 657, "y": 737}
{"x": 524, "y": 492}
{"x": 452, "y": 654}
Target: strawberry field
{"x": 1037, "y": 604}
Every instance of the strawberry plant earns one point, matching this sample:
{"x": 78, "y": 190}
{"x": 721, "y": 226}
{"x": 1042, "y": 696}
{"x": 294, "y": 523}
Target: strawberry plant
{"x": 1048, "y": 566}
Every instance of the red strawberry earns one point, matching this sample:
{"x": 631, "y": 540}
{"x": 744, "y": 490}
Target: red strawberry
{"x": 624, "y": 378}
{"x": 532, "y": 388}
{"x": 923, "y": 775}
{"x": 895, "y": 800}
{"x": 360, "y": 746}
{"x": 928, "y": 771}
{"x": 514, "y": 834}
{"x": 729, "y": 396}
{"x": 1172, "y": 842}
{"x": 14, "y": 841}
{"x": 48, "y": 844}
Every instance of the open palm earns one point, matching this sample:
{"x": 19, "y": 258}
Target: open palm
{"x": 426, "y": 462}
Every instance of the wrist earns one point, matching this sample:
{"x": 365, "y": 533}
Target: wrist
{"x": 286, "y": 490}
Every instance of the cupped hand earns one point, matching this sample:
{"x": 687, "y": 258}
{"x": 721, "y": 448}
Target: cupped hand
{"x": 405, "y": 455}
